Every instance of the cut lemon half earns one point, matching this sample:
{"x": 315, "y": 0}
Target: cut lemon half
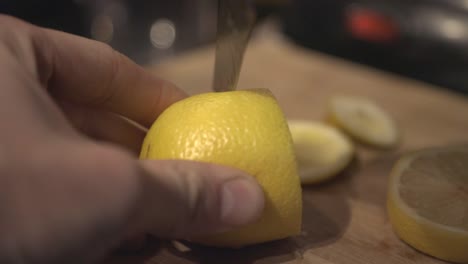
{"x": 364, "y": 120}
{"x": 322, "y": 151}
{"x": 245, "y": 129}
{"x": 428, "y": 202}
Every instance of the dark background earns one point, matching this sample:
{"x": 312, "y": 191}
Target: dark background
{"x": 422, "y": 39}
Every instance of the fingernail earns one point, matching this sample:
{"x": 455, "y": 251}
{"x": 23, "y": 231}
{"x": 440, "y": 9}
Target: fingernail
{"x": 242, "y": 201}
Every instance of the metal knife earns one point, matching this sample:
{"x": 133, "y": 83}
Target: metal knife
{"x": 235, "y": 22}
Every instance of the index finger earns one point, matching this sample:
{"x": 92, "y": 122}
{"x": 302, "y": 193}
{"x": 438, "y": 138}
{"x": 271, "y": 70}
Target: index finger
{"x": 88, "y": 72}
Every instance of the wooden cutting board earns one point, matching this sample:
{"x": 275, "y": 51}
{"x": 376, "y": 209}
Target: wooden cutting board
{"x": 345, "y": 220}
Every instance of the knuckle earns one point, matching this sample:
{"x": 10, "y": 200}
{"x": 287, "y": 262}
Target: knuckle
{"x": 14, "y": 35}
{"x": 197, "y": 194}
{"x": 28, "y": 44}
{"x": 8, "y": 22}
{"x": 13, "y": 32}
{"x": 109, "y": 87}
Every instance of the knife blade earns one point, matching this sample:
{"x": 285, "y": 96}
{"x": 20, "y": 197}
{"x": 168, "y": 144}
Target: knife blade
{"x": 235, "y": 22}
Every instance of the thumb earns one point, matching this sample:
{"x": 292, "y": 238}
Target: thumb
{"x": 186, "y": 198}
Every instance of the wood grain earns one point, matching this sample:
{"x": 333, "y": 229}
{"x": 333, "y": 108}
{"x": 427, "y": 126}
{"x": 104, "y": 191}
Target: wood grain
{"x": 345, "y": 220}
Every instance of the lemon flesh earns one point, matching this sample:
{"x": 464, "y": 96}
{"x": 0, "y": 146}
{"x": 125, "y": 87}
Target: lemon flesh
{"x": 322, "y": 151}
{"x": 364, "y": 120}
{"x": 245, "y": 129}
{"x": 428, "y": 202}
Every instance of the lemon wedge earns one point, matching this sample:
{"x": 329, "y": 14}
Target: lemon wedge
{"x": 322, "y": 151}
{"x": 245, "y": 129}
{"x": 428, "y": 202}
{"x": 364, "y": 120}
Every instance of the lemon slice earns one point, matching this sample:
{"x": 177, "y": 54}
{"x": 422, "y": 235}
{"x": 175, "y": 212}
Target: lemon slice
{"x": 363, "y": 120}
{"x": 322, "y": 151}
{"x": 428, "y": 202}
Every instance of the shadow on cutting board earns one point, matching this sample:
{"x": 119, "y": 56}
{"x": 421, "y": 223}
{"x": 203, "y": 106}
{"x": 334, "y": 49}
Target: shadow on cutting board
{"x": 326, "y": 215}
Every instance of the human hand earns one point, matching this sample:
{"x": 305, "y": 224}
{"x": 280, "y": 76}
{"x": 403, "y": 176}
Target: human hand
{"x": 73, "y": 115}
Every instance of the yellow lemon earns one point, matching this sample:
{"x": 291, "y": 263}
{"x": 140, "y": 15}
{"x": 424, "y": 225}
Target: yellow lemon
{"x": 428, "y": 202}
{"x": 245, "y": 129}
{"x": 322, "y": 151}
{"x": 364, "y": 120}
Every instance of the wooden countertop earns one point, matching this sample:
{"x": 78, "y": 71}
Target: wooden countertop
{"x": 345, "y": 220}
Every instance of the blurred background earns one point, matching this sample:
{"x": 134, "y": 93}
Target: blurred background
{"x": 421, "y": 39}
